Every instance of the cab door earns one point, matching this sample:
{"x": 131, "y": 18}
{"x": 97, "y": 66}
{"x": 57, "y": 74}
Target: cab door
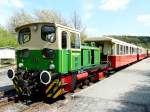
{"x": 65, "y": 52}
{"x": 75, "y": 52}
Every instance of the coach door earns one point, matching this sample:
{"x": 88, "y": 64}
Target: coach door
{"x": 65, "y": 53}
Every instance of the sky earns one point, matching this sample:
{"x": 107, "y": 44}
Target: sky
{"x": 100, "y": 17}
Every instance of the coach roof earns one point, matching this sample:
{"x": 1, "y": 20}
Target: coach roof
{"x": 104, "y": 38}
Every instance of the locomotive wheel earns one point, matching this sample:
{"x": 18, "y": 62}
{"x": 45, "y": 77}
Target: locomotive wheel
{"x": 87, "y": 82}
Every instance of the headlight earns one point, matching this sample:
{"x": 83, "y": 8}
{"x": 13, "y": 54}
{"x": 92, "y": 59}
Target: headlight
{"x": 51, "y": 66}
{"x": 20, "y": 65}
{"x": 48, "y": 53}
{"x": 45, "y": 77}
{"x": 11, "y": 74}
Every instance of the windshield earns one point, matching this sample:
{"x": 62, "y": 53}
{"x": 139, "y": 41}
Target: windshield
{"x": 24, "y": 36}
{"x": 48, "y": 33}
{"x": 75, "y": 40}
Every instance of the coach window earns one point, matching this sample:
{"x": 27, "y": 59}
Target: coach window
{"x": 64, "y": 40}
{"x": 113, "y": 49}
{"x": 137, "y": 50}
{"x": 134, "y": 50}
{"x": 75, "y": 40}
{"x": 140, "y": 51}
{"x": 121, "y": 49}
{"x": 124, "y": 47}
{"x": 117, "y": 49}
{"x": 130, "y": 50}
{"x": 127, "y": 49}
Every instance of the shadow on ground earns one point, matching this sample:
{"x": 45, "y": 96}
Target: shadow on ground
{"x": 6, "y": 88}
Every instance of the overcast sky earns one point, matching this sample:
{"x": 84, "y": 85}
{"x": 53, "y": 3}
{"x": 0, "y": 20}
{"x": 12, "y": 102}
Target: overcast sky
{"x": 101, "y": 17}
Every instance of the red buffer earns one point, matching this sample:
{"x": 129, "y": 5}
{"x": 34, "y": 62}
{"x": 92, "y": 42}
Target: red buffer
{"x": 101, "y": 75}
{"x": 66, "y": 81}
{"x": 83, "y": 75}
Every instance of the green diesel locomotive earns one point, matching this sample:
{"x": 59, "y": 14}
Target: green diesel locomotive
{"x": 51, "y": 61}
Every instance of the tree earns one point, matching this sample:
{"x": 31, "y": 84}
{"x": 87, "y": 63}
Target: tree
{"x": 76, "y": 22}
{"x": 83, "y": 36}
{"x": 18, "y": 19}
{"x": 21, "y": 18}
{"x": 49, "y": 16}
{"x": 6, "y": 39}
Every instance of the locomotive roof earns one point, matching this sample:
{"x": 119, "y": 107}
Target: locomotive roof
{"x": 116, "y": 41}
{"x": 55, "y": 24}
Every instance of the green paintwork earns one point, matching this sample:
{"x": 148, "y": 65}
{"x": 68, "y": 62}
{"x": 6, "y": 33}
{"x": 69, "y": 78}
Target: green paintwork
{"x": 64, "y": 60}
{"x": 57, "y": 61}
{"x": 96, "y": 56}
{"x": 87, "y": 56}
{"x": 34, "y": 61}
{"x": 74, "y": 60}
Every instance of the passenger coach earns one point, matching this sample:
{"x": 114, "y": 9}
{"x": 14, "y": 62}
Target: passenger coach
{"x": 118, "y": 53}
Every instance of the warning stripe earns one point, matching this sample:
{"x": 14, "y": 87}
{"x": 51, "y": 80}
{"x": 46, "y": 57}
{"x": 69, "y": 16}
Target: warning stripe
{"x": 53, "y": 89}
{"x": 51, "y": 85}
{"x": 58, "y": 93}
{"x": 17, "y": 78}
{"x": 50, "y": 93}
{"x": 18, "y": 89}
{"x": 15, "y": 85}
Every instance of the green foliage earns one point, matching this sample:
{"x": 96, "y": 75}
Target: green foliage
{"x": 7, "y": 39}
{"x": 143, "y": 41}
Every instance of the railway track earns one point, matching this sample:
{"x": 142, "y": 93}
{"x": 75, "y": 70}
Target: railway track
{"x": 9, "y": 103}
{"x": 6, "y": 99}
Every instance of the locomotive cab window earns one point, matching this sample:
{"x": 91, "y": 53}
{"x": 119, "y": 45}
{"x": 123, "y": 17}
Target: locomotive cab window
{"x": 64, "y": 40}
{"x": 24, "y": 36}
{"x": 48, "y": 33}
{"x": 75, "y": 40}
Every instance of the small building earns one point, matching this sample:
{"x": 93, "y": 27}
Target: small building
{"x": 7, "y": 55}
